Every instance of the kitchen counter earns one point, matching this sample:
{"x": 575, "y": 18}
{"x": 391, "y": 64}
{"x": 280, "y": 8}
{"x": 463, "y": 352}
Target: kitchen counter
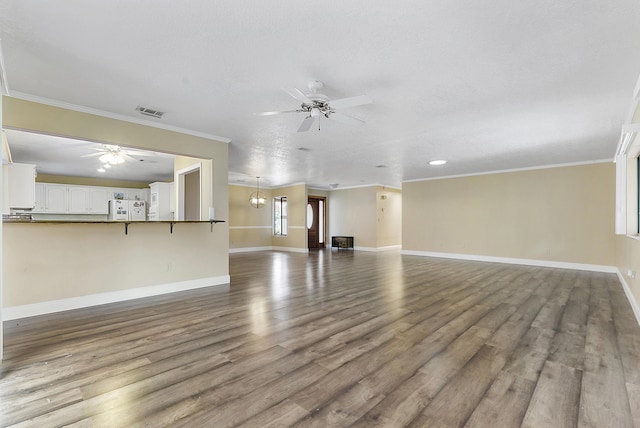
{"x": 16, "y": 220}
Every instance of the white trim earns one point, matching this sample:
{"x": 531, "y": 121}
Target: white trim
{"x": 515, "y": 261}
{"x": 249, "y": 249}
{"x": 364, "y": 185}
{"x": 291, "y": 249}
{"x": 4, "y": 83}
{"x": 629, "y": 294}
{"x": 249, "y": 227}
{"x": 271, "y": 248}
{"x": 300, "y": 183}
{"x": 621, "y": 195}
{"x": 501, "y": 171}
{"x": 251, "y": 186}
{"x": 379, "y": 249}
{"x": 116, "y": 116}
{"x": 296, "y": 227}
{"x": 23, "y": 311}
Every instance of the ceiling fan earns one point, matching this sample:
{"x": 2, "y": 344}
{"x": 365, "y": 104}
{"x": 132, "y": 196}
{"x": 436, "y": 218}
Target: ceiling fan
{"x": 114, "y": 155}
{"x": 315, "y": 104}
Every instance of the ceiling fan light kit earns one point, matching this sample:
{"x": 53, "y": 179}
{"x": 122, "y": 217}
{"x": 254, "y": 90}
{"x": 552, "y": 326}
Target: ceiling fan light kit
{"x": 316, "y": 105}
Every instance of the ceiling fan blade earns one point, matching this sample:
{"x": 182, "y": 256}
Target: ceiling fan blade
{"x": 350, "y": 102}
{"x": 93, "y": 154}
{"x": 306, "y": 123}
{"x": 298, "y": 95}
{"x": 137, "y": 153}
{"x": 272, "y": 113}
{"x": 346, "y": 119}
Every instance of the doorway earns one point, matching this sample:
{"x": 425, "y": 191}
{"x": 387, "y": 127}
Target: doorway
{"x": 316, "y": 222}
{"x": 189, "y": 193}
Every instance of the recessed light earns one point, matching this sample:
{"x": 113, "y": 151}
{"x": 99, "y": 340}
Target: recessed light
{"x": 437, "y": 162}
{"x": 101, "y": 170}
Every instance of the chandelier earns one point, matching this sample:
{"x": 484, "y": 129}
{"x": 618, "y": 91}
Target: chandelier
{"x": 257, "y": 198}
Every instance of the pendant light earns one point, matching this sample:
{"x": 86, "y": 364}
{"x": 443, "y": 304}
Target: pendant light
{"x": 257, "y": 199}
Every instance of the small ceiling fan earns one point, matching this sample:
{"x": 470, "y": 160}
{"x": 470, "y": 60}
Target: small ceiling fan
{"x": 315, "y": 104}
{"x": 114, "y": 155}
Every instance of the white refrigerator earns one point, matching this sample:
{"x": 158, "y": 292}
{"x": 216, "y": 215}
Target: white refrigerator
{"x": 127, "y": 210}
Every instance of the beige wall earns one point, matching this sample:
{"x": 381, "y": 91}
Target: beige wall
{"x": 249, "y": 227}
{"x": 629, "y": 260}
{"x": 87, "y": 181}
{"x": 44, "y": 262}
{"x": 50, "y": 262}
{"x": 253, "y": 228}
{"x": 372, "y": 215}
{"x": 353, "y": 213}
{"x": 560, "y": 214}
{"x": 389, "y": 209}
{"x": 297, "y": 215}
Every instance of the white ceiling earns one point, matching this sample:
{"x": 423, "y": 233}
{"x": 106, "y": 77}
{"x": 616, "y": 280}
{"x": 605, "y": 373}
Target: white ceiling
{"x": 70, "y": 157}
{"x": 486, "y": 85}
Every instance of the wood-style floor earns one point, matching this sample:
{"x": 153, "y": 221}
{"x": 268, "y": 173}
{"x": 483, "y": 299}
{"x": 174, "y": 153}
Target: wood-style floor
{"x": 336, "y": 339}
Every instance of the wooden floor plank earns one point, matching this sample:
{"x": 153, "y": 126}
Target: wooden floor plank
{"x": 555, "y": 399}
{"x": 337, "y": 339}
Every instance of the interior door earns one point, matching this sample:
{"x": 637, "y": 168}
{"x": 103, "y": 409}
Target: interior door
{"x": 315, "y": 222}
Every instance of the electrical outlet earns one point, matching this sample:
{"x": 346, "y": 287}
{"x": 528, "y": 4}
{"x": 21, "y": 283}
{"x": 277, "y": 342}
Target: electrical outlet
{"x": 631, "y": 274}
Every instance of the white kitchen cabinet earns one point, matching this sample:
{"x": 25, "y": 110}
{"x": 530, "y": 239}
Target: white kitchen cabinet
{"x": 160, "y": 201}
{"x": 98, "y": 200}
{"x": 40, "y": 202}
{"x": 88, "y": 200}
{"x": 51, "y": 198}
{"x": 20, "y": 186}
{"x": 56, "y": 201}
{"x": 78, "y": 200}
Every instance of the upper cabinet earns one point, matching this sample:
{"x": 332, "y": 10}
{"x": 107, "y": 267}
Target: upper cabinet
{"x": 51, "y": 198}
{"x": 19, "y": 186}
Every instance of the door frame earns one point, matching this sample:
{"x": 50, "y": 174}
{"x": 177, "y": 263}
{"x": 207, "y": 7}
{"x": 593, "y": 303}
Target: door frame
{"x": 322, "y": 244}
{"x": 180, "y": 188}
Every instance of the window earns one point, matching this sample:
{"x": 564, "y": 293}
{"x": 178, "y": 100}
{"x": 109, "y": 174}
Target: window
{"x": 280, "y": 216}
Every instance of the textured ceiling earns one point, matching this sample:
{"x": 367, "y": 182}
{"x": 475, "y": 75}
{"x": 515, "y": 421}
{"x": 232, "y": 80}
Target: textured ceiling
{"x": 485, "y": 85}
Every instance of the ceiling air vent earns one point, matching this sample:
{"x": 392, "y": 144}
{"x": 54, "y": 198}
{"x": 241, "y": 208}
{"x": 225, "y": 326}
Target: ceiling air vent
{"x": 150, "y": 112}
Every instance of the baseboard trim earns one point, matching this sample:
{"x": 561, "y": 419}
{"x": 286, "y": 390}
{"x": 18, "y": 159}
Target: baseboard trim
{"x": 291, "y": 249}
{"x": 271, "y": 248}
{"x": 629, "y": 294}
{"x": 248, "y": 249}
{"x": 514, "y": 261}
{"x": 379, "y": 249}
{"x": 42, "y": 308}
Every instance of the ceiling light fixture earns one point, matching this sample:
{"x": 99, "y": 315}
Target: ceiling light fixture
{"x": 437, "y": 162}
{"x": 257, "y": 199}
{"x": 113, "y": 157}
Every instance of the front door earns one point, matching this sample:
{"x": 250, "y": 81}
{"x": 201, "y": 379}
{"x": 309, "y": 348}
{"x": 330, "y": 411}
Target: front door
{"x": 315, "y": 222}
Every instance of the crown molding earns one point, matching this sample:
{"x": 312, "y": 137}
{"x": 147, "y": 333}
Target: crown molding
{"x": 116, "y": 116}
{"x": 501, "y": 171}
